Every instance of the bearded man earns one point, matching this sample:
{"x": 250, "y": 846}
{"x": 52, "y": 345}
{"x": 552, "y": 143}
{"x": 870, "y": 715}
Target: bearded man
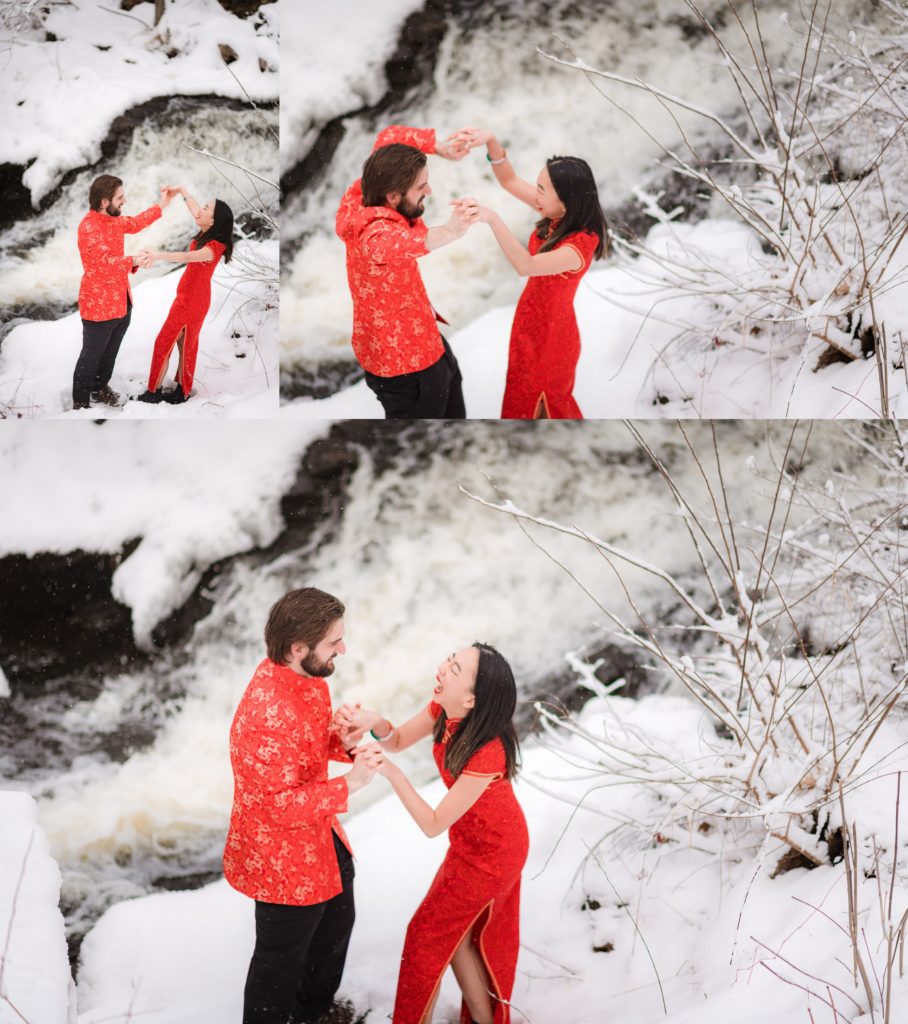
{"x": 286, "y": 848}
{"x": 409, "y": 366}
{"x": 105, "y": 298}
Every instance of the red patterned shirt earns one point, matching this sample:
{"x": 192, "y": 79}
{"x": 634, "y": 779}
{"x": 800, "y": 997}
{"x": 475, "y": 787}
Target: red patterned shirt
{"x": 394, "y": 325}
{"x": 105, "y": 270}
{"x": 279, "y": 847}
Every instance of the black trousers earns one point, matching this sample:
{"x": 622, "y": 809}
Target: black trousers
{"x": 435, "y": 393}
{"x": 299, "y": 955}
{"x": 100, "y": 345}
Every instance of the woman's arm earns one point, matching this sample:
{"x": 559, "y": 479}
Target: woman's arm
{"x": 356, "y": 720}
{"x": 191, "y": 204}
{"x": 457, "y": 801}
{"x": 203, "y": 255}
{"x": 562, "y": 260}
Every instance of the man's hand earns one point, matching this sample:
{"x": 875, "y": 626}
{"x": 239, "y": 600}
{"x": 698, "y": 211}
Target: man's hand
{"x": 465, "y": 139}
{"x": 351, "y": 722}
{"x": 454, "y": 147}
{"x": 464, "y": 213}
{"x": 143, "y": 258}
{"x": 167, "y": 194}
{"x": 367, "y": 760}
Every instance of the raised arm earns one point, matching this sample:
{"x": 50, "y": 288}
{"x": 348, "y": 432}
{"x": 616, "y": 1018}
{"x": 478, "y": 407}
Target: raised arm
{"x": 457, "y": 801}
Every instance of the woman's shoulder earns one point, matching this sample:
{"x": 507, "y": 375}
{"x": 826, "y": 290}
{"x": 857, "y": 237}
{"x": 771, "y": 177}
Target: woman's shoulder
{"x": 488, "y": 760}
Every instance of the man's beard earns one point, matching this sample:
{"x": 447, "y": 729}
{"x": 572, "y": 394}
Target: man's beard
{"x": 114, "y": 211}
{"x": 409, "y": 211}
{"x": 312, "y": 667}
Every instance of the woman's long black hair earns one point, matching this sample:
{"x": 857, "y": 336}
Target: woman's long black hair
{"x": 221, "y": 229}
{"x": 575, "y": 186}
{"x": 491, "y": 717}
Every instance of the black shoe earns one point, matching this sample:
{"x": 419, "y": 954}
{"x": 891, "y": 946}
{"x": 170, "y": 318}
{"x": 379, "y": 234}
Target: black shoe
{"x": 106, "y": 396}
{"x": 175, "y": 396}
{"x": 81, "y": 405}
{"x": 153, "y": 397}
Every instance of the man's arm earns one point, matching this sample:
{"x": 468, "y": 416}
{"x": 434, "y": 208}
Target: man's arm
{"x": 94, "y": 249}
{"x": 273, "y": 766}
{"x": 422, "y": 139}
{"x": 130, "y": 225}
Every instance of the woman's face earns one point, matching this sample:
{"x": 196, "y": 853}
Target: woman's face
{"x": 547, "y": 201}
{"x": 455, "y": 680}
{"x": 205, "y": 217}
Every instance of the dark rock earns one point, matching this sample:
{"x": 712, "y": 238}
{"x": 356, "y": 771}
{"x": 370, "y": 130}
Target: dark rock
{"x": 227, "y": 52}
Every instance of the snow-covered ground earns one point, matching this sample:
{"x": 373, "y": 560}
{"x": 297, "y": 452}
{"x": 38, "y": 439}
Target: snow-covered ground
{"x": 602, "y": 937}
{"x": 67, "y": 78}
{"x": 236, "y": 373}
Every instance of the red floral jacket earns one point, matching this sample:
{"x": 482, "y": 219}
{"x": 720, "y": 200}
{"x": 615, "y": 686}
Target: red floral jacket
{"x": 394, "y": 324}
{"x": 279, "y": 847}
{"x": 105, "y": 270}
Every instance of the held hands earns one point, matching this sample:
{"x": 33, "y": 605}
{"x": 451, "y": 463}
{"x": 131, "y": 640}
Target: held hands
{"x": 465, "y": 139}
{"x": 169, "y": 192}
{"x": 352, "y": 721}
{"x": 367, "y": 760}
{"x": 144, "y": 258}
{"x": 469, "y": 212}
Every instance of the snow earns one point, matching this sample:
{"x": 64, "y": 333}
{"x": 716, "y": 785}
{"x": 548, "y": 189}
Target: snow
{"x": 319, "y": 81}
{"x": 102, "y": 64}
{"x": 37, "y": 359}
{"x": 34, "y": 964}
{"x": 107, "y": 476}
{"x": 629, "y": 367}
{"x": 694, "y": 925}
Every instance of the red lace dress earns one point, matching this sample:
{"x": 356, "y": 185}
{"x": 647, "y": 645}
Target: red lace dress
{"x": 188, "y": 311}
{"x": 545, "y": 341}
{"x": 476, "y": 891}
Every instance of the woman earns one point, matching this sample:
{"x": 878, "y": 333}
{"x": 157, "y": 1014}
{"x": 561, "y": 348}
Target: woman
{"x": 470, "y": 916}
{"x": 184, "y": 321}
{"x": 545, "y": 341}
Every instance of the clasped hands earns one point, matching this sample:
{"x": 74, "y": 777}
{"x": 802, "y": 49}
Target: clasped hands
{"x": 466, "y": 210}
{"x": 351, "y": 722}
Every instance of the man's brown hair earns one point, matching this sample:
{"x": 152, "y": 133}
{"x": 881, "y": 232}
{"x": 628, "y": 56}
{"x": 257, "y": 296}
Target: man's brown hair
{"x": 102, "y": 188}
{"x": 300, "y": 616}
{"x": 393, "y": 168}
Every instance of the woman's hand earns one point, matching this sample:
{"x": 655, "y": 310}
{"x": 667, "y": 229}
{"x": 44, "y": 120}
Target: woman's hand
{"x": 470, "y": 138}
{"x": 145, "y": 258}
{"x": 352, "y": 721}
{"x": 367, "y": 760}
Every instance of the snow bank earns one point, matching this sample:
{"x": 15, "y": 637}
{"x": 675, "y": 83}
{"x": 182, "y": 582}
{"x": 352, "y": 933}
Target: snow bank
{"x": 34, "y": 964}
{"x": 237, "y": 363}
{"x": 101, "y": 477}
{"x": 85, "y": 58}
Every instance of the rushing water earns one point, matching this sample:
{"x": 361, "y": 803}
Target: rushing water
{"x": 489, "y": 73}
{"x": 131, "y": 769}
{"x": 39, "y": 260}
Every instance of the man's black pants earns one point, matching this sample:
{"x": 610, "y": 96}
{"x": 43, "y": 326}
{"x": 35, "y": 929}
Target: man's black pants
{"x": 100, "y": 345}
{"x": 299, "y": 955}
{"x": 431, "y": 394}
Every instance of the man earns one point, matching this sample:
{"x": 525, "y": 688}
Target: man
{"x": 409, "y": 365}
{"x": 285, "y": 847}
{"x": 105, "y": 299}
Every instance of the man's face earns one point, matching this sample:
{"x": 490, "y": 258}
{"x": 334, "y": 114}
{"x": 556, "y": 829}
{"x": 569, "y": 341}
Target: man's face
{"x": 319, "y": 660}
{"x": 114, "y": 206}
{"x": 412, "y": 203}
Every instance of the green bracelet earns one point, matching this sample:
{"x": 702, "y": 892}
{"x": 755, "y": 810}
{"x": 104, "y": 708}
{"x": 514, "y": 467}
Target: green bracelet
{"x": 382, "y": 739}
{"x": 500, "y": 160}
